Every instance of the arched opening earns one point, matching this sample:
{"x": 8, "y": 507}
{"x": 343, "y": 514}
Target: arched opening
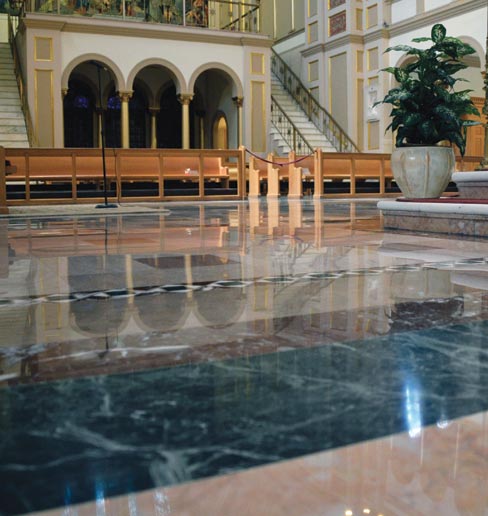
{"x": 219, "y": 126}
{"x": 113, "y": 135}
{"x": 79, "y": 115}
{"x": 138, "y": 120}
{"x": 169, "y": 120}
{"x": 88, "y": 85}
{"x": 220, "y": 136}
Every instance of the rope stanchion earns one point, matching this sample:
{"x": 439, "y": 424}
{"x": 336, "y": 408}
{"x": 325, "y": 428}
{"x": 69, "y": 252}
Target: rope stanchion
{"x": 279, "y": 164}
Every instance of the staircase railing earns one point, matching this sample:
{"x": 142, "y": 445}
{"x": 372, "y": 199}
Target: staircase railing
{"x": 288, "y": 130}
{"x": 13, "y": 24}
{"x": 318, "y": 115}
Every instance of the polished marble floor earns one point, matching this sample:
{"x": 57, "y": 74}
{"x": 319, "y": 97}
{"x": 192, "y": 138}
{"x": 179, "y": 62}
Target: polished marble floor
{"x": 254, "y": 358}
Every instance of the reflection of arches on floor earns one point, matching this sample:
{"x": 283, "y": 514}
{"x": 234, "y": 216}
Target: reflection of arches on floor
{"x": 219, "y": 307}
{"x": 79, "y": 111}
{"x": 164, "y": 312}
{"x": 99, "y": 317}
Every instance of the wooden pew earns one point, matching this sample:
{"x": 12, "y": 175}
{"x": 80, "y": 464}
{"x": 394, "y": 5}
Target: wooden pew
{"x": 258, "y": 172}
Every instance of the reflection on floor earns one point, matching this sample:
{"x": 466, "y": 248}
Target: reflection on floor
{"x": 279, "y": 358}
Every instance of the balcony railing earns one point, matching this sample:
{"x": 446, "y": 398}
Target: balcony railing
{"x": 239, "y": 16}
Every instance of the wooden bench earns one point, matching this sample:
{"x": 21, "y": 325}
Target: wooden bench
{"x": 351, "y": 167}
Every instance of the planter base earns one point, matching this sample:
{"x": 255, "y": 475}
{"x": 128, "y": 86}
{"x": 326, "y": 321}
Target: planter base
{"x": 449, "y": 217}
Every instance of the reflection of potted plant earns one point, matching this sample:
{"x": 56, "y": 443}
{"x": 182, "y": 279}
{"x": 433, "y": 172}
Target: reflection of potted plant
{"x": 427, "y": 111}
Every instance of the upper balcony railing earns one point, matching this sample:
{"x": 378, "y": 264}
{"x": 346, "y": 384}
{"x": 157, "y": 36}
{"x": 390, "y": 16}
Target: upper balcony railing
{"x": 239, "y": 16}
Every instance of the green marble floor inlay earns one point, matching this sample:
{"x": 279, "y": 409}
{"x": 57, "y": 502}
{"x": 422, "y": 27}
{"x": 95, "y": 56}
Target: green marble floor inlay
{"x": 68, "y": 441}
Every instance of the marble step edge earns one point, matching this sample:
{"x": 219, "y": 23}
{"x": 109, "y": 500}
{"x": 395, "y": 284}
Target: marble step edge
{"x": 11, "y": 137}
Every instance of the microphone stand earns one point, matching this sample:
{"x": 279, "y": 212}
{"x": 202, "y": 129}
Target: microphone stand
{"x": 102, "y": 132}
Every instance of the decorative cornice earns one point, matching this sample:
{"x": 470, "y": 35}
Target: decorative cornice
{"x": 343, "y": 41}
{"x": 138, "y": 29}
{"x": 428, "y": 18}
{"x": 377, "y": 34}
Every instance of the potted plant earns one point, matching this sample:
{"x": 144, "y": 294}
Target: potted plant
{"x": 427, "y": 114}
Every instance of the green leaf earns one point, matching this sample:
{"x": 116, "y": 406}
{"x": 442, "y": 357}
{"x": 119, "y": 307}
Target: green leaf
{"x": 401, "y": 75}
{"x": 421, "y": 40}
{"x": 399, "y": 48}
{"x": 438, "y": 33}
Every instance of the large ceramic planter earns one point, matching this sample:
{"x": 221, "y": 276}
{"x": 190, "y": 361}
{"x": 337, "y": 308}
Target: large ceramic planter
{"x": 422, "y": 172}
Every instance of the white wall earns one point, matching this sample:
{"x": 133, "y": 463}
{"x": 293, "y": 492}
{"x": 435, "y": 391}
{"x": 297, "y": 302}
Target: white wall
{"x": 186, "y": 56}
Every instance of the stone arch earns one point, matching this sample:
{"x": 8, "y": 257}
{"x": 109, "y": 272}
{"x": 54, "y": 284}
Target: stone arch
{"x": 147, "y": 91}
{"x": 237, "y": 89}
{"x": 175, "y": 73}
{"x": 119, "y": 79}
{"x": 480, "y": 53}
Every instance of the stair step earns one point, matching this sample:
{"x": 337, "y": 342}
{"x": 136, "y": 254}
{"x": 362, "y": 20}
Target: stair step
{"x": 13, "y": 137}
{"x": 11, "y": 122}
{"x": 15, "y": 145}
{"x": 10, "y": 108}
{"x": 9, "y": 94}
{"x": 12, "y": 129}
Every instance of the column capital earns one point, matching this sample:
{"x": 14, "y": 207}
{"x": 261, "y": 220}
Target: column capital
{"x": 154, "y": 111}
{"x": 185, "y": 98}
{"x": 238, "y": 101}
{"x": 64, "y": 92}
{"x": 125, "y": 96}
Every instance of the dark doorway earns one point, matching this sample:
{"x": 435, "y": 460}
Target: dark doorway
{"x": 78, "y": 112}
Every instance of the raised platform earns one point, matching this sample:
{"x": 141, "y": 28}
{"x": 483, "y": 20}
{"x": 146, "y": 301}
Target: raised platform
{"x": 449, "y": 215}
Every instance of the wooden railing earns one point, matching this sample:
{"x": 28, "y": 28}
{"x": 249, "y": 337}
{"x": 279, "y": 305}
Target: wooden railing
{"x": 47, "y": 176}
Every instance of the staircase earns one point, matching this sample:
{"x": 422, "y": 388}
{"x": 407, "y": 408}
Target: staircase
{"x": 310, "y": 133}
{"x": 13, "y": 132}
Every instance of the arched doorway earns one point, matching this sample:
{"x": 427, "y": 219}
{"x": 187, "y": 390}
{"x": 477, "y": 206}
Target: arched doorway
{"x": 113, "y": 136}
{"x": 169, "y": 120}
{"x": 216, "y": 89}
{"x": 79, "y": 115}
{"x": 138, "y": 120}
{"x": 90, "y": 84}
{"x": 220, "y": 135}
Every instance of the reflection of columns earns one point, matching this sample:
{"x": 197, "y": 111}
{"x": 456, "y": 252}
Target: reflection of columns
{"x": 154, "y": 135}
{"x": 273, "y": 215}
{"x": 295, "y": 215}
{"x": 185, "y": 100}
{"x": 239, "y": 101}
{"x": 124, "y": 113}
